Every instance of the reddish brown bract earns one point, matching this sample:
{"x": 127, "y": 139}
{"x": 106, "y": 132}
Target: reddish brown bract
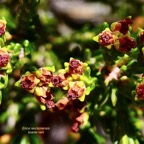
{"x": 27, "y": 82}
{"x": 123, "y": 25}
{"x": 126, "y": 44}
{"x": 4, "y": 58}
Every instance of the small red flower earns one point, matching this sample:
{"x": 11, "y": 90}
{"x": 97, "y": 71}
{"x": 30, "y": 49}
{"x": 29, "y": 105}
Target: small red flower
{"x": 56, "y": 80}
{"x": 72, "y": 95}
{"x": 2, "y": 28}
{"x": 122, "y": 26}
{"x": 50, "y": 104}
{"x": 79, "y": 120}
{"x": 4, "y": 58}
{"x": 75, "y": 127}
{"x": 62, "y": 103}
{"x": 75, "y": 91}
{"x": 126, "y": 44}
{"x": 106, "y": 38}
{"x": 28, "y": 82}
{"x": 75, "y": 66}
{"x": 140, "y": 91}
{"x": 45, "y": 76}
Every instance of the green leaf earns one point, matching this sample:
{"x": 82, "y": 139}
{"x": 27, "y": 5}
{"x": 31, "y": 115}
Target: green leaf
{"x": 1, "y": 85}
{"x": 5, "y": 81}
{"x": 114, "y": 97}
{"x": 96, "y": 38}
{"x": 87, "y": 54}
{"x": 17, "y": 84}
{"x": 1, "y": 42}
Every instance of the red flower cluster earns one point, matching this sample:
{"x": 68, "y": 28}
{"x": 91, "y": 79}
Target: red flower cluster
{"x": 43, "y": 80}
{"x": 39, "y": 82}
{"x": 118, "y": 36}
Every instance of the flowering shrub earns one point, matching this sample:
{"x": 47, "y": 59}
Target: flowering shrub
{"x": 118, "y": 36}
{"x": 92, "y": 78}
{"x": 123, "y": 56}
